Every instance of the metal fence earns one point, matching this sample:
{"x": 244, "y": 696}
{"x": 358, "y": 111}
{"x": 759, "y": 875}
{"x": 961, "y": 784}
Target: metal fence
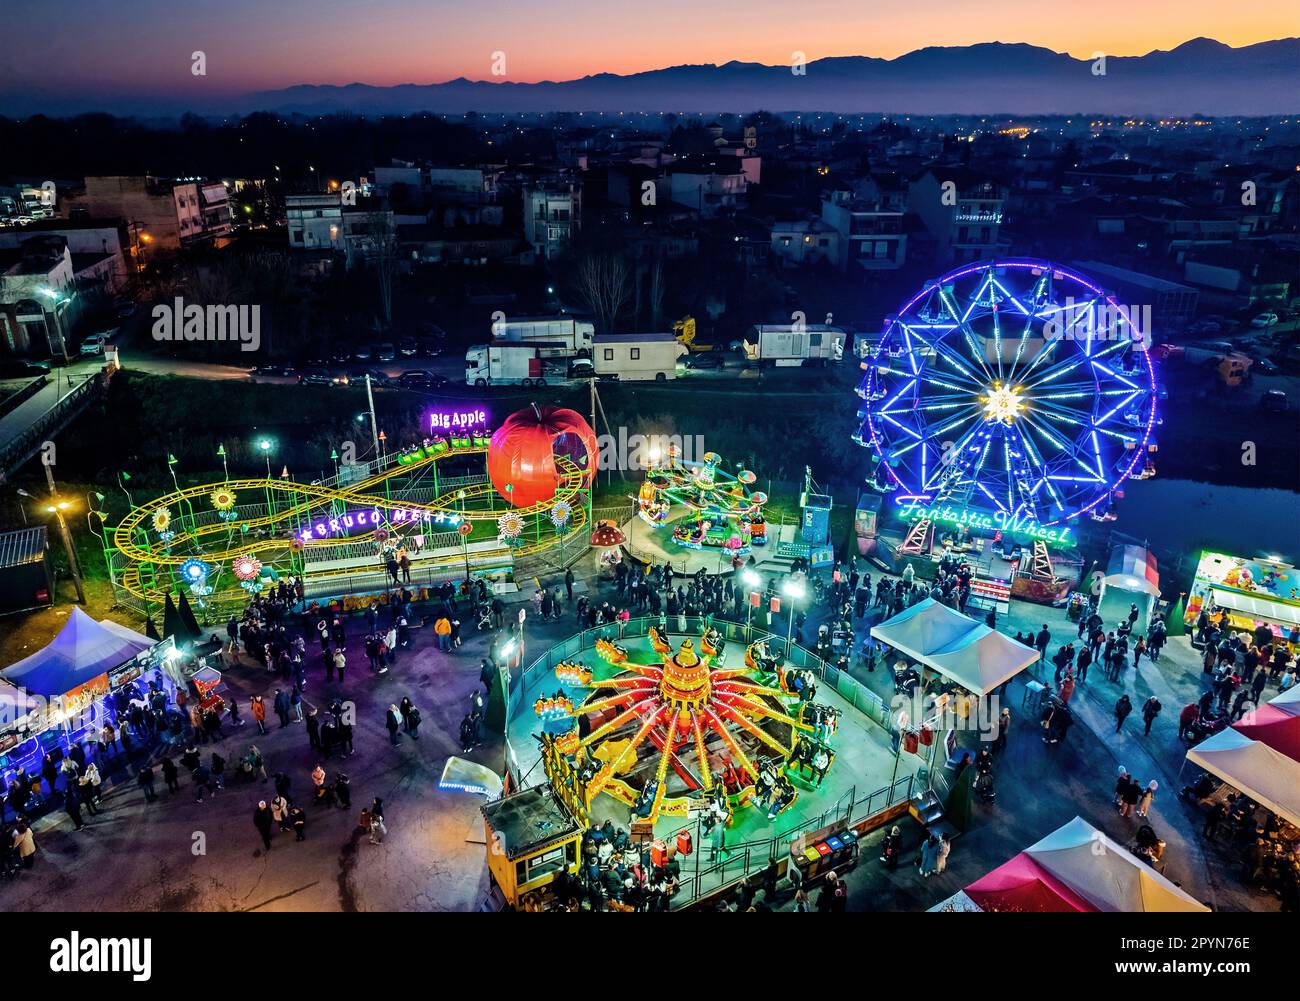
{"x": 736, "y": 861}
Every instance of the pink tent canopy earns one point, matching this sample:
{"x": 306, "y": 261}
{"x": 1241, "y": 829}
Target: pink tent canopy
{"x": 1023, "y": 885}
{"x": 1275, "y": 727}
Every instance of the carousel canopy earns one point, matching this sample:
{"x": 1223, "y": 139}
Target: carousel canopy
{"x": 1266, "y": 775}
{"x": 965, "y": 651}
{"x": 1104, "y": 873}
{"x": 1132, "y": 568}
{"x": 83, "y": 650}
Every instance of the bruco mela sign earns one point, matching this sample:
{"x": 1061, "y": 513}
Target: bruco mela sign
{"x": 990, "y": 521}
{"x": 368, "y": 521}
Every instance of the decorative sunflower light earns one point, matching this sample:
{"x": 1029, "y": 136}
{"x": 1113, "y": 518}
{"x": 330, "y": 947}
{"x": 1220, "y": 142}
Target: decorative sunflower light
{"x": 561, "y": 513}
{"x": 223, "y": 499}
{"x": 246, "y": 567}
{"x": 509, "y": 527}
{"x": 162, "y": 519}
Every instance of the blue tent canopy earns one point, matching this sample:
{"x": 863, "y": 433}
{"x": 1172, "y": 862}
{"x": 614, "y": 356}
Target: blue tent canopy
{"x": 83, "y": 650}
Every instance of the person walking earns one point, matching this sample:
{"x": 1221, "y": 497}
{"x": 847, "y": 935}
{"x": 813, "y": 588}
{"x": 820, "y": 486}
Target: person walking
{"x": 568, "y": 584}
{"x": 262, "y": 820}
{"x": 378, "y": 830}
{"x": 1148, "y": 796}
{"x": 1122, "y": 708}
{"x": 313, "y": 728}
{"x": 259, "y": 712}
{"x": 144, "y": 779}
{"x": 171, "y": 775}
{"x": 393, "y": 720}
{"x": 298, "y": 821}
{"x": 280, "y": 812}
{"x": 340, "y": 662}
{"x": 72, "y": 804}
{"x": 1150, "y": 710}
{"x": 282, "y": 707}
{"x": 442, "y": 630}
{"x": 930, "y": 856}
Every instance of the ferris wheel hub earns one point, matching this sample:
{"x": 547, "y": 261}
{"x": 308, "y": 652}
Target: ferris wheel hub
{"x": 1002, "y": 403}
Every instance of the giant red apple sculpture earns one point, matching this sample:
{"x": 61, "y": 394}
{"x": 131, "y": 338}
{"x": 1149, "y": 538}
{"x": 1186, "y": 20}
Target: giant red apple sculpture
{"x": 521, "y": 456}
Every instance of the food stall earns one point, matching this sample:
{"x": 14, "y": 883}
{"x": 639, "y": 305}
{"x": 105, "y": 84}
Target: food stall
{"x": 532, "y": 838}
{"x": 1247, "y": 594}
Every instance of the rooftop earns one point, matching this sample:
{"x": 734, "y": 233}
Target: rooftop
{"x": 27, "y": 545}
{"x": 529, "y": 820}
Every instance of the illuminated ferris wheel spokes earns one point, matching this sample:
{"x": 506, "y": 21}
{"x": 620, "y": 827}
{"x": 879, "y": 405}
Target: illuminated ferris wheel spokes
{"x": 995, "y": 387}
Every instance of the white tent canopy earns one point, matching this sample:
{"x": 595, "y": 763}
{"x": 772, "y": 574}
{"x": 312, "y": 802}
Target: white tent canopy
{"x": 1267, "y": 776}
{"x": 1106, "y": 874}
{"x": 983, "y": 659}
{"x": 964, "y": 651}
{"x": 923, "y": 629}
{"x": 1288, "y": 701}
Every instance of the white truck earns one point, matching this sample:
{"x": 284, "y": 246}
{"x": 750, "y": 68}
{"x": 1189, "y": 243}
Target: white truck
{"x": 556, "y": 336}
{"x": 508, "y": 363}
{"x": 790, "y": 345}
{"x": 637, "y": 357}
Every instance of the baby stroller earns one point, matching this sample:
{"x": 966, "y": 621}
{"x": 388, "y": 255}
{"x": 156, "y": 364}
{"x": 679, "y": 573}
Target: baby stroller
{"x": 984, "y": 787}
{"x": 484, "y": 613}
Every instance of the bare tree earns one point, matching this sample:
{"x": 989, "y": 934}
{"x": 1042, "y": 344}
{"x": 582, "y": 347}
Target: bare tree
{"x": 381, "y": 249}
{"x": 603, "y": 283}
{"x": 658, "y": 287}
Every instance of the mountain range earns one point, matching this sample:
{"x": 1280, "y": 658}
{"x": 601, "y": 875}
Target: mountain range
{"x": 1201, "y": 76}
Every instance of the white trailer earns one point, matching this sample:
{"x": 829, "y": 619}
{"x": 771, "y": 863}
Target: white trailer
{"x": 558, "y": 336}
{"x": 791, "y": 345}
{"x": 638, "y": 357}
{"x": 514, "y": 364}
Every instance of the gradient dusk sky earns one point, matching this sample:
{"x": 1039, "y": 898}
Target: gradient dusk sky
{"x": 144, "y": 46}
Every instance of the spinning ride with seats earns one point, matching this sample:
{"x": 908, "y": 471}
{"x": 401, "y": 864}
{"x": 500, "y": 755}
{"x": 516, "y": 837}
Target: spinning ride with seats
{"x": 665, "y": 737}
{"x": 722, "y": 512}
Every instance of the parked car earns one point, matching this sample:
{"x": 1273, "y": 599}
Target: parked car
{"x": 431, "y": 347}
{"x": 1274, "y": 402}
{"x": 407, "y": 347}
{"x": 278, "y": 371}
{"x": 1265, "y": 366}
{"x": 418, "y": 379}
{"x": 125, "y": 310}
{"x": 94, "y": 344}
{"x": 12, "y": 369}
{"x": 1166, "y": 352}
{"x": 708, "y": 359}
{"x": 386, "y": 352}
{"x": 378, "y": 379}
{"x": 340, "y": 356}
{"x": 363, "y": 353}
{"x": 1265, "y": 320}
{"x": 316, "y": 377}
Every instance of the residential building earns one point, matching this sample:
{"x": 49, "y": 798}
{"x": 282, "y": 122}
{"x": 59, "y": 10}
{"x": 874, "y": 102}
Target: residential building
{"x": 38, "y": 300}
{"x": 870, "y": 238}
{"x": 99, "y": 248}
{"x": 161, "y": 214}
{"x": 315, "y": 221}
{"x": 552, "y": 216}
{"x": 962, "y": 210}
{"x": 806, "y": 242}
{"x": 711, "y": 186}
{"x": 1173, "y": 305}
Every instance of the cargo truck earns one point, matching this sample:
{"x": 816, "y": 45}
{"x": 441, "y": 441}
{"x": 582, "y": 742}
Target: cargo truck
{"x": 787, "y": 345}
{"x": 555, "y": 336}
{"x": 637, "y": 357}
{"x": 507, "y": 363}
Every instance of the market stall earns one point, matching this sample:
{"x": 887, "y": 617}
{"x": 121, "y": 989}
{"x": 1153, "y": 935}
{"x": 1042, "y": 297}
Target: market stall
{"x": 1247, "y": 594}
{"x": 1131, "y": 578}
{"x": 1266, "y": 775}
{"x": 1078, "y": 868}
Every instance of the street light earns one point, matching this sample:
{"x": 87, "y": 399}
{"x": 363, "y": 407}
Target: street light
{"x": 795, "y": 591}
{"x": 265, "y": 446}
{"x": 56, "y": 507}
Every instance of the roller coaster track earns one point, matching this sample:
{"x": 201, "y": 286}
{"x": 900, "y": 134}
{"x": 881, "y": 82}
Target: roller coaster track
{"x": 212, "y": 542}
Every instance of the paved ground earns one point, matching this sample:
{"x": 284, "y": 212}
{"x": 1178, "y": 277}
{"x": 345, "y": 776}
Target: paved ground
{"x": 177, "y": 854}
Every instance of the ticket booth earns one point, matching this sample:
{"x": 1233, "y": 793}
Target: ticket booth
{"x": 532, "y": 838}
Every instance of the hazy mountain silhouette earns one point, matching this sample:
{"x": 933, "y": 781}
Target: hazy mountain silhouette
{"x": 1200, "y": 76}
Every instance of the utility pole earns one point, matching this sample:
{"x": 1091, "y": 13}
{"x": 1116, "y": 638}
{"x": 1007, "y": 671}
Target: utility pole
{"x": 56, "y": 508}
{"x": 374, "y": 428}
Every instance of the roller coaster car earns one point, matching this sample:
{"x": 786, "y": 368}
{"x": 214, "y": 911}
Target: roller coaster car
{"x": 757, "y": 531}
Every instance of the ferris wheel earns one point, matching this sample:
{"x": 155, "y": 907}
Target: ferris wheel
{"x": 1014, "y": 387}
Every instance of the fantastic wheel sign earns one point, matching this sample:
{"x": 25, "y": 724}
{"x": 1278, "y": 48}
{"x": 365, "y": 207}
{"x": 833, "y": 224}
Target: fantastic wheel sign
{"x": 1015, "y": 394}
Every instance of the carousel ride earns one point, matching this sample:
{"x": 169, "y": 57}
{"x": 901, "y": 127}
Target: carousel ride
{"x": 681, "y": 734}
{"x": 219, "y": 542}
{"x": 722, "y": 510}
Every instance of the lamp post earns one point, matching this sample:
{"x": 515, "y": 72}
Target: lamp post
{"x": 221, "y": 451}
{"x": 795, "y": 591}
{"x": 56, "y": 507}
{"x": 752, "y": 580}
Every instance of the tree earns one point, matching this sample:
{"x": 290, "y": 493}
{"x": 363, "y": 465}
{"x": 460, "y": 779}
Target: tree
{"x": 602, "y": 282}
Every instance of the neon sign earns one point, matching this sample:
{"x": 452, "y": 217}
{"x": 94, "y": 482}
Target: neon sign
{"x": 991, "y": 521}
{"x": 345, "y": 524}
{"x": 456, "y": 420}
